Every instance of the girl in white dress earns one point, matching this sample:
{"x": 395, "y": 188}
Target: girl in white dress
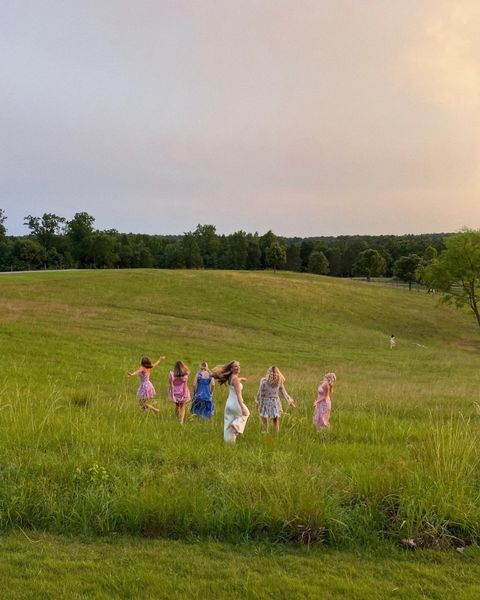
{"x": 236, "y": 411}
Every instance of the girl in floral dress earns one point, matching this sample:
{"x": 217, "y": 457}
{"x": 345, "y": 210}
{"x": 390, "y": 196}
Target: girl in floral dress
{"x": 268, "y": 398}
{"x": 146, "y": 391}
{"x": 202, "y": 403}
{"x": 178, "y": 390}
{"x": 323, "y": 403}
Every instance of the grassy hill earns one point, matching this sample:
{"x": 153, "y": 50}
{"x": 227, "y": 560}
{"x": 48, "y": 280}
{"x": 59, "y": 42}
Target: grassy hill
{"x": 78, "y": 457}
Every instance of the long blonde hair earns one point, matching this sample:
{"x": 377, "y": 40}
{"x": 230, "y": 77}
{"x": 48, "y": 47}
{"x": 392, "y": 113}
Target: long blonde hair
{"x": 274, "y": 377}
{"x": 223, "y": 372}
{"x": 330, "y": 378}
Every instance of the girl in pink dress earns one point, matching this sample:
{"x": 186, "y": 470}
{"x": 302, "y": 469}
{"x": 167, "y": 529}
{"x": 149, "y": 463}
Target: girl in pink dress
{"x": 323, "y": 403}
{"x": 146, "y": 391}
{"x": 178, "y": 390}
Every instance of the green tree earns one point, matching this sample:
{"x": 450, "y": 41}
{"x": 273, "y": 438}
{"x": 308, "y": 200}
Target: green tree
{"x": 191, "y": 251}
{"x": 45, "y": 228}
{"x": 254, "y": 253}
{"x": 103, "y": 249}
{"x": 294, "y": 261}
{"x": 276, "y": 256}
{"x": 370, "y": 263}
{"x": 265, "y": 242}
{"x": 238, "y": 254}
{"x": 3, "y": 218}
{"x": 175, "y": 255}
{"x": 27, "y": 254}
{"x": 306, "y": 248}
{"x": 430, "y": 254}
{"x": 80, "y": 231}
{"x": 318, "y": 263}
{"x": 406, "y": 268}
{"x": 456, "y": 272}
{"x": 209, "y": 244}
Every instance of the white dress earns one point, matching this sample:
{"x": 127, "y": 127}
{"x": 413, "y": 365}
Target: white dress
{"x": 234, "y": 422}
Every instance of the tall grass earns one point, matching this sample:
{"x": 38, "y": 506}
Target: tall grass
{"x": 77, "y": 456}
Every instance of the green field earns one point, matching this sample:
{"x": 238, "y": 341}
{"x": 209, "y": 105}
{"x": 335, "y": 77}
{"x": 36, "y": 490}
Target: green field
{"x": 79, "y": 460}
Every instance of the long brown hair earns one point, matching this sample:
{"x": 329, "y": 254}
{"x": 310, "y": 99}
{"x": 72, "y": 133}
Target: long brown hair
{"x": 180, "y": 369}
{"x": 146, "y": 362}
{"x": 223, "y": 372}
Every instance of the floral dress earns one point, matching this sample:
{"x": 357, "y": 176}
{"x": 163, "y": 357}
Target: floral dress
{"x": 323, "y": 407}
{"x": 146, "y": 389}
{"x": 269, "y": 404}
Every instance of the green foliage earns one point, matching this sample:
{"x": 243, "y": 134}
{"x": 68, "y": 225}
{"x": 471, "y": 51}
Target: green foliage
{"x": 29, "y": 254}
{"x": 3, "y": 218}
{"x": 45, "y": 228}
{"x": 370, "y": 263}
{"x": 456, "y": 272}
{"x": 318, "y": 263}
{"x": 293, "y": 258}
{"x": 276, "y": 256}
{"x": 406, "y": 268}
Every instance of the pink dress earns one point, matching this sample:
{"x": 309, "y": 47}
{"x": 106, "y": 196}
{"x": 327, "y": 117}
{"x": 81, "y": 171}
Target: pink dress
{"x": 146, "y": 389}
{"x": 323, "y": 406}
{"x": 181, "y": 392}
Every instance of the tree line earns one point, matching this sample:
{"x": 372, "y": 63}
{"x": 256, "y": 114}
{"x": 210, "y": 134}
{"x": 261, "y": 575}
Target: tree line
{"x": 53, "y": 242}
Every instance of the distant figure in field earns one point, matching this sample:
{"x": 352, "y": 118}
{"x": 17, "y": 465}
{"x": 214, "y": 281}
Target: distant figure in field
{"x": 268, "y": 398}
{"x": 146, "y": 391}
{"x": 323, "y": 403}
{"x": 178, "y": 390}
{"x": 202, "y": 403}
{"x": 393, "y": 342}
{"x": 236, "y": 411}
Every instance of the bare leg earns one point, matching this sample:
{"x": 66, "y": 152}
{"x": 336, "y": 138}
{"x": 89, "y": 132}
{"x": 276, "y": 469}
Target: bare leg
{"x": 182, "y": 413}
{"x": 150, "y": 407}
{"x": 265, "y": 424}
{"x": 276, "y": 424}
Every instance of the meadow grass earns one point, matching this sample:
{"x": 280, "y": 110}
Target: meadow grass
{"x": 47, "y": 566}
{"x": 79, "y": 457}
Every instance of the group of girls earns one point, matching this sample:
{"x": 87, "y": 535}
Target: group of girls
{"x": 236, "y": 411}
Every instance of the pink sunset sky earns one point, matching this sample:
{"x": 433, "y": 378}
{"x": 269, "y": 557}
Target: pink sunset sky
{"x": 307, "y": 117}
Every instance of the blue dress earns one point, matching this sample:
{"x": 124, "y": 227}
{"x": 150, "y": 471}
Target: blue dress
{"x": 202, "y": 404}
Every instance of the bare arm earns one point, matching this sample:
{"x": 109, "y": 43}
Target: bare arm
{"x": 133, "y": 373}
{"x": 321, "y": 393}
{"x": 259, "y": 394}
{"x": 286, "y": 395}
{"x": 157, "y": 362}
{"x": 238, "y": 390}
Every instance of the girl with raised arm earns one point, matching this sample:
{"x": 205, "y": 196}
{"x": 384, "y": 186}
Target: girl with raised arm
{"x": 146, "y": 391}
{"x": 268, "y": 398}
{"x": 323, "y": 403}
{"x": 178, "y": 390}
{"x": 202, "y": 403}
{"x": 236, "y": 411}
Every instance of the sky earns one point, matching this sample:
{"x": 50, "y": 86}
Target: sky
{"x": 307, "y": 117}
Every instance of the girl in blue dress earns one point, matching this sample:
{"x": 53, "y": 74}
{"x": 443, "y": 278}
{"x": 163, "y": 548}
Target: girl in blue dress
{"x": 202, "y": 404}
